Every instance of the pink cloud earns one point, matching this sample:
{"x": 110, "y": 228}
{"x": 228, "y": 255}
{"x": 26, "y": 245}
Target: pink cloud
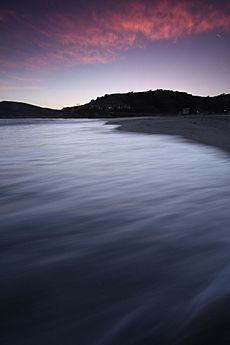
{"x": 71, "y": 39}
{"x": 15, "y": 81}
{"x": 21, "y": 78}
{"x": 109, "y": 32}
{"x": 162, "y": 20}
{"x": 70, "y": 57}
{"x": 10, "y": 87}
{"x": 4, "y": 62}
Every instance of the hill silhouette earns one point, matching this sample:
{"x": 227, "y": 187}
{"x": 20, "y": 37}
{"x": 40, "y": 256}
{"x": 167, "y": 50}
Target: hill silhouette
{"x": 150, "y": 102}
{"x": 24, "y": 110}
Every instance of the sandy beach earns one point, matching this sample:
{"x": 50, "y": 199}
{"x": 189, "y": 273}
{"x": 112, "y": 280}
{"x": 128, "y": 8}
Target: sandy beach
{"x": 211, "y": 130}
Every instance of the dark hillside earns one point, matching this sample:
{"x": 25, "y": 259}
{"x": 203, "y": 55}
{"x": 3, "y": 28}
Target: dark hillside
{"x": 151, "y": 102}
{"x": 23, "y": 110}
{"x": 158, "y": 102}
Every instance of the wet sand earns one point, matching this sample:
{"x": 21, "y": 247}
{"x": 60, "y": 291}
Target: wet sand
{"x": 211, "y": 130}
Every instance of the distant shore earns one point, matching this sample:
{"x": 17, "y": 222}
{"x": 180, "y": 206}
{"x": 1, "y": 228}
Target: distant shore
{"x": 213, "y": 130}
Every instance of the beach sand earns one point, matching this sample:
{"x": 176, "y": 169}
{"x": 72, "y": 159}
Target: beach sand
{"x": 211, "y": 130}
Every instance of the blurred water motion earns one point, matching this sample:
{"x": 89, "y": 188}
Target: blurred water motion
{"x": 112, "y": 238}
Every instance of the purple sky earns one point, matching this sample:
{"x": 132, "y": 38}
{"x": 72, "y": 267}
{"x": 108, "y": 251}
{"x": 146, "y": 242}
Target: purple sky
{"x": 58, "y": 53}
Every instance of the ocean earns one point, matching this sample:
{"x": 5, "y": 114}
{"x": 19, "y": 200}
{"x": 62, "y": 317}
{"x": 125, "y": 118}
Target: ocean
{"x": 111, "y": 238}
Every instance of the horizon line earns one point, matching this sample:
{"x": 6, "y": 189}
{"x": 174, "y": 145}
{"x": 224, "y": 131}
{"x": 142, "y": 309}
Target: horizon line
{"x": 114, "y": 93}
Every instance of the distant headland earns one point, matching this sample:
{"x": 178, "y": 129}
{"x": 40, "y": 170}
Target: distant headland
{"x": 147, "y": 103}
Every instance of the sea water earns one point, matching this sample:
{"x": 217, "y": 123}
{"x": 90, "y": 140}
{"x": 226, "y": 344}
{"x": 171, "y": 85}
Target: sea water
{"x": 111, "y": 238}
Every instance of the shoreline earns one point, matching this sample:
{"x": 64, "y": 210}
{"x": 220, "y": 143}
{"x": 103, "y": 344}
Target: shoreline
{"x": 211, "y": 130}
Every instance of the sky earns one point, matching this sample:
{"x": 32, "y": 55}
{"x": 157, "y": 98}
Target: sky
{"x": 58, "y": 53}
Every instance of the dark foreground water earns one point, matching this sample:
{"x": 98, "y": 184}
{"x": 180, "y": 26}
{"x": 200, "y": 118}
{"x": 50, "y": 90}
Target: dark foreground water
{"x": 111, "y": 238}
